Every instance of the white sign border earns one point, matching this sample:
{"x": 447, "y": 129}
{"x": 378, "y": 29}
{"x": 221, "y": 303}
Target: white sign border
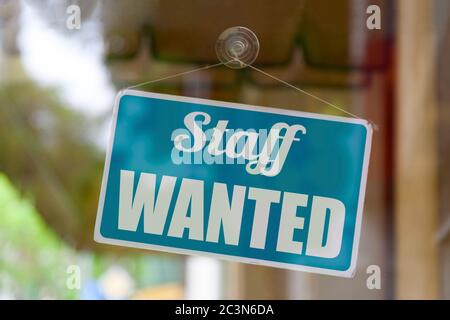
{"x": 349, "y": 273}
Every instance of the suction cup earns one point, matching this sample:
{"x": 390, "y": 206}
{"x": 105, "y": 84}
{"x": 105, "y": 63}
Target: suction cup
{"x": 237, "y": 47}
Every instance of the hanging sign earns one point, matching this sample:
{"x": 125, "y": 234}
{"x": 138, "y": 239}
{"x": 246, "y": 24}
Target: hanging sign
{"x": 240, "y": 182}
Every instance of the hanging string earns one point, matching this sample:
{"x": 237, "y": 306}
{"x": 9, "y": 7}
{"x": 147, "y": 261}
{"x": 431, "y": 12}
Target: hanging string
{"x": 177, "y": 75}
{"x": 328, "y": 103}
{"x": 304, "y": 92}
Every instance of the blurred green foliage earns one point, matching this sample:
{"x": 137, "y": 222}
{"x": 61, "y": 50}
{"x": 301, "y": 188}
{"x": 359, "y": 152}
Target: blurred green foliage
{"x": 33, "y": 259}
{"x": 47, "y": 150}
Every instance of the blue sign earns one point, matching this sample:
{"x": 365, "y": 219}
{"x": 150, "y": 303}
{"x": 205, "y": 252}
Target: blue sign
{"x": 240, "y": 182}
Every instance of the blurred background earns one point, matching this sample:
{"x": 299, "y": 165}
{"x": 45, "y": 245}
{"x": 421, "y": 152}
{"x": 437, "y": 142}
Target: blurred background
{"x": 58, "y": 79}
